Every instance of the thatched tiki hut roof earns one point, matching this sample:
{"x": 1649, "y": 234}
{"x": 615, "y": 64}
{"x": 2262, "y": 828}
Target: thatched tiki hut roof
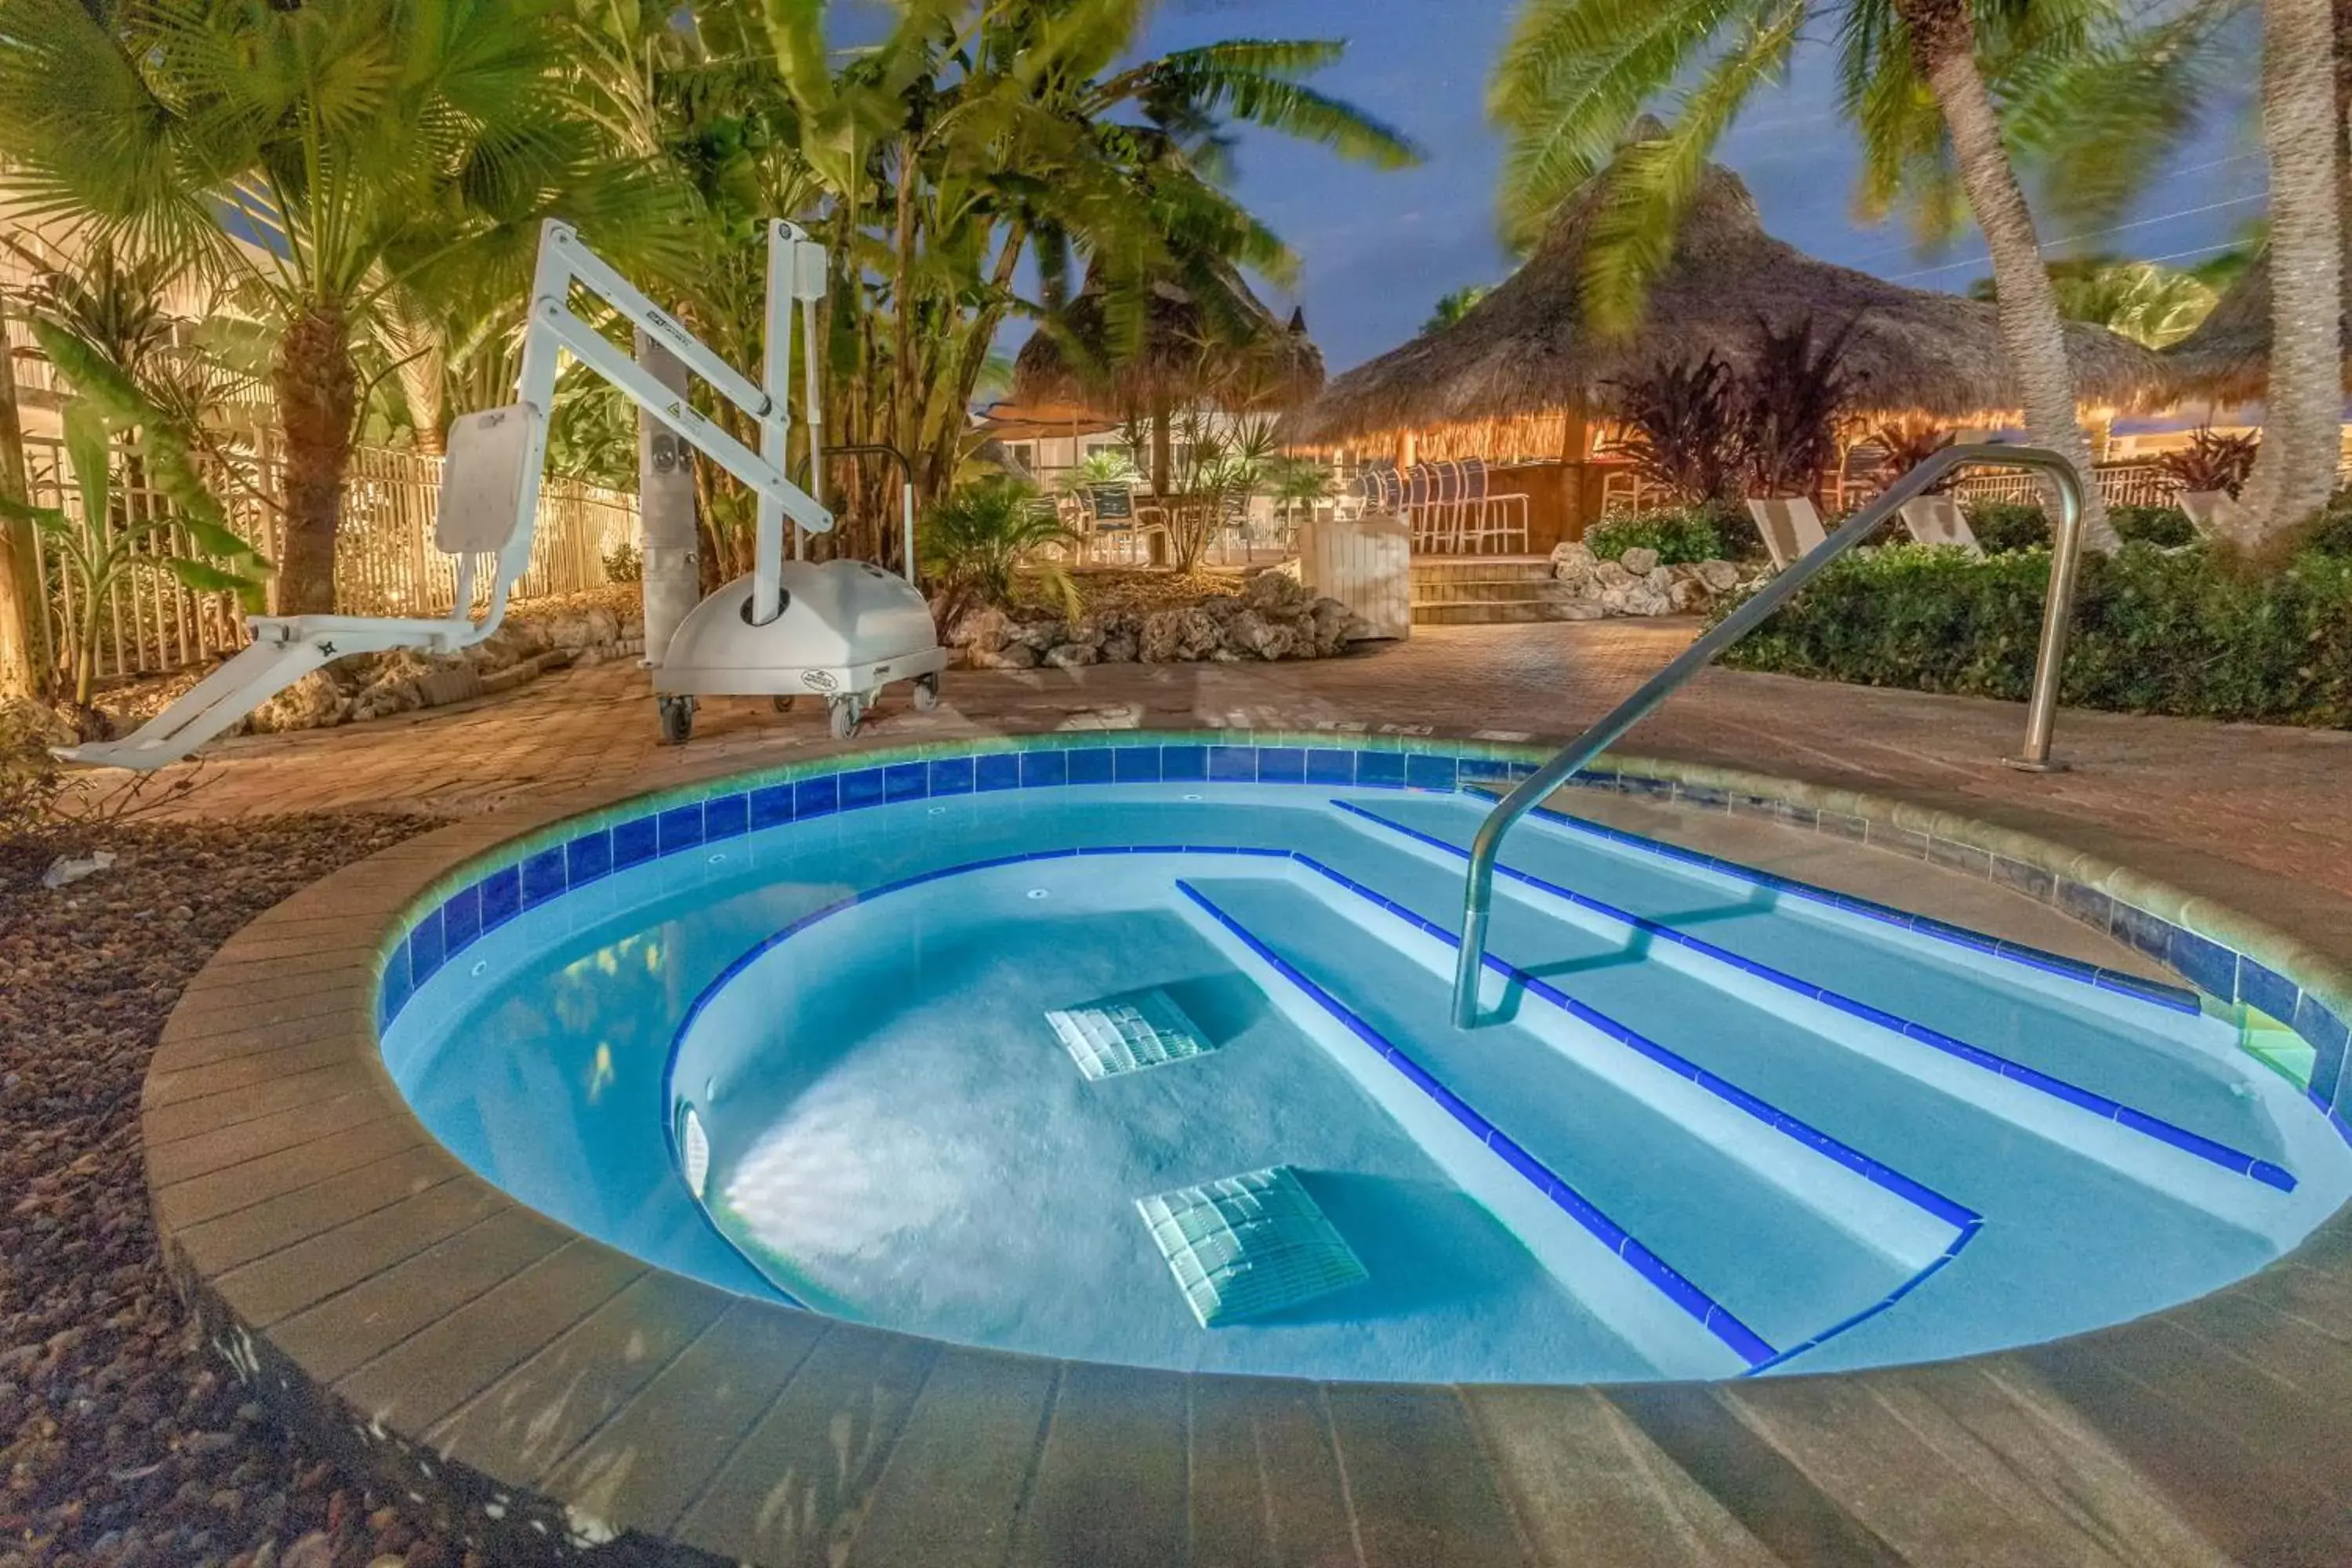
{"x": 1523, "y": 350}
{"x": 2228, "y": 357}
{"x": 1206, "y": 339}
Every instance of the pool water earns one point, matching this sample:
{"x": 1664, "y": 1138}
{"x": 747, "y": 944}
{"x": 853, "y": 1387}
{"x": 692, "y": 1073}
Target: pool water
{"x": 919, "y": 1065}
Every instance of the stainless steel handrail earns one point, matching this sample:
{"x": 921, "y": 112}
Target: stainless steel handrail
{"x": 1478, "y": 892}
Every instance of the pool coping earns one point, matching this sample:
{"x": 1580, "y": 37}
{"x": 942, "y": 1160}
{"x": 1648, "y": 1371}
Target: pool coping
{"x": 545, "y": 1397}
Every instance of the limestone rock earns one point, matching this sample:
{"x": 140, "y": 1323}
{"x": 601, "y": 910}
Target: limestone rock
{"x": 985, "y": 628}
{"x": 1721, "y": 576}
{"x": 1612, "y": 574}
{"x": 1687, "y": 594}
{"x": 1573, "y": 563}
{"x": 1252, "y": 632}
{"x": 1072, "y": 655}
{"x": 1657, "y": 578}
{"x": 313, "y": 702}
{"x": 1013, "y": 656}
{"x": 1641, "y": 560}
{"x": 1275, "y": 592}
{"x": 1119, "y": 647}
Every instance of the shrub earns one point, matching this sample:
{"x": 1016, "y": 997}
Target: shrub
{"x": 2154, "y": 632}
{"x": 2332, "y": 534}
{"x": 1679, "y": 534}
{"x": 2164, "y": 526}
{"x": 624, "y": 563}
{"x": 974, "y": 542}
{"x": 2004, "y": 526}
{"x": 2211, "y": 461}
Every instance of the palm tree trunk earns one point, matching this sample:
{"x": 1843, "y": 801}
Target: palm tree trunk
{"x": 2302, "y": 408}
{"x": 317, "y": 395}
{"x": 1943, "y": 46}
{"x": 24, "y": 620}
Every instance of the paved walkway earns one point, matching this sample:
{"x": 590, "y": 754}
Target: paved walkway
{"x": 2199, "y": 803}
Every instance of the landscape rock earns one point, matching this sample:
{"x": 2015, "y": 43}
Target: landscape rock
{"x": 1612, "y": 574}
{"x": 1012, "y": 655}
{"x": 1721, "y": 576}
{"x": 1072, "y": 655}
{"x": 1640, "y": 560}
{"x": 1573, "y": 563}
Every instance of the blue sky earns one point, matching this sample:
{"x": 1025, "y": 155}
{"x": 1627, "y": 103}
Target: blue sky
{"x": 1377, "y": 248}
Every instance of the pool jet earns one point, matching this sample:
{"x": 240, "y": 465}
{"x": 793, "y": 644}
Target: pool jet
{"x": 837, "y": 629}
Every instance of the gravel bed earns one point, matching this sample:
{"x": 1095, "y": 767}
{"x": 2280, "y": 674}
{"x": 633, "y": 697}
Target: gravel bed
{"x": 123, "y": 1439}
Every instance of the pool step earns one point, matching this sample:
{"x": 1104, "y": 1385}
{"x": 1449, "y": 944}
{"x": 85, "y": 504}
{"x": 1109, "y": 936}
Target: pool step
{"x": 2121, "y": 1047}
{"x": 1611, "y": 958}
{"x": 1778, "y": 1232}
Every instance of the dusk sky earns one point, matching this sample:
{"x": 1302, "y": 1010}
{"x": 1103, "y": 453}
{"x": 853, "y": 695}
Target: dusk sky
{"x": 1377, "y": 248}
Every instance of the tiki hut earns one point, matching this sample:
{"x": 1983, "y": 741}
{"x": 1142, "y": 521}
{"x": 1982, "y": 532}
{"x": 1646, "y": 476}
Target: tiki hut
{"x": 1173, "y": 346}
{"x": 2228, "y": 358}
{"x": 1518, "y": 379}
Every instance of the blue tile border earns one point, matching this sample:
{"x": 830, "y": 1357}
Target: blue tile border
{"x": 641, "y": 830}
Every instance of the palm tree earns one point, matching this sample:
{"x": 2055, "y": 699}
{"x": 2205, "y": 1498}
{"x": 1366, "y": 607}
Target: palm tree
{"x": 979, "y": 134}
{"x": 1919, "y": 80}
{"x": 1452, "y": 307}
{"x": 2143, "y": 300}
{"x": 316, "y": 157}
{"x": 2302, "y": 133}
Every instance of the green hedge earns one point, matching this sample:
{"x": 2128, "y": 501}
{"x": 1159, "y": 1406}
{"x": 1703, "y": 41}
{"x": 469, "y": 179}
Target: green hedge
{"x": 2154, "y": 632}
{"x": 2003, "y": 526}
{"x": 1681, "y": 535}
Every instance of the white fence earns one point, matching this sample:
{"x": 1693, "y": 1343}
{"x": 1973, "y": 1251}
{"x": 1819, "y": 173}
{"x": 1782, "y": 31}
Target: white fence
{"x": 385, "y": 562}
{"x": 2120, "y": 484}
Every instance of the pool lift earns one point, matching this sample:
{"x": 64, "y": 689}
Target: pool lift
{"x": 837, "y": 629}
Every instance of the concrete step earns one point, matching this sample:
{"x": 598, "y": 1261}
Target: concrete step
{"x": 1444, "y": 568}
{"x": 1507, "y": 612}
{"x": 1467, "y": 591}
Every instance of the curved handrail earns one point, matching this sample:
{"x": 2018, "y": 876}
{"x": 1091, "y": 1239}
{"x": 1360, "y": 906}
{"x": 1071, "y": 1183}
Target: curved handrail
{"x": 1478, "y": 892}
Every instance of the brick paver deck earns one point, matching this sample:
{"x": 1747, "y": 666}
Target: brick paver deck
{"x": 2199, "y": 804}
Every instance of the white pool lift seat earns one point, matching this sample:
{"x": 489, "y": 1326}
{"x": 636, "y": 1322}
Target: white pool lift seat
{"x": 490, "y": 455}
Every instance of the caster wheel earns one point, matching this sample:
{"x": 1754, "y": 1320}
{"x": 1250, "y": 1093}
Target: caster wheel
{"x": 677, "y": 720}
{"x": 842, "y": 717}
{"x": 926, "y": 693}
{"x": 783, "y": 704}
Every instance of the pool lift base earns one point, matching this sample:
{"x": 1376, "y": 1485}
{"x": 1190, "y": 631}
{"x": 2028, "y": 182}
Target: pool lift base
{"x": 839, "y": 629}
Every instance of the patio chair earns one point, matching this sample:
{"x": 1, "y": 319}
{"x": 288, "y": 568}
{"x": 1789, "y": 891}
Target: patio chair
{"x": 1416, "y": 505}
{"x": 1115, "y": 519}
{"x": 1791, "y": 527}
{"x": 1446, "y": 498}
{"x": 1937, "y": 520}
{"x": 1499, "y": 520}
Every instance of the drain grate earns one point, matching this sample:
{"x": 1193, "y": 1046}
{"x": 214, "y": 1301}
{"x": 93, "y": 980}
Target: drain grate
{"x": 1246, "y": 1244}
{"x": 1126, "y": 1034}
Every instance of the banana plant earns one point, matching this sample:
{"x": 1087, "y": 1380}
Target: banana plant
{"x": 104, "y": 542}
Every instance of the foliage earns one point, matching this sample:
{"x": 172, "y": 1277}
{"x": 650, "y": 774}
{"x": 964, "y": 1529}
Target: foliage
{"x": 1451, "y": 308}
{"x": 1575, "y": 73}
{"x": 2331, "y": 534}
{"x": 2146, "y": 301}
{"x": 109, "y": 537}
{"x": 1705, "y": 433}
{"x": 625, "y": 563}
{"x": 2002, "y": 527}
{"x": 2212, "y": 460}
{"x": 30, "y": 779}
{"x": 1909, "y": 442}
{"x": 1788, "y": 405}
{"x": 2155, "y": 631}
{"x": 1679, "y": 535}
{"x": 977, "y": 541}
{"x": 1297, "y": 483}
{"x": 1108, "y": 467}
{"x": 1681, "y": 429}
{"x": 324, "y": 160}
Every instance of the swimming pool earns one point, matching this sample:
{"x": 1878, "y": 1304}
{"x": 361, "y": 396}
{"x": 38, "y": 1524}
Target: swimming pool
{"x": 1137, "y": 1052}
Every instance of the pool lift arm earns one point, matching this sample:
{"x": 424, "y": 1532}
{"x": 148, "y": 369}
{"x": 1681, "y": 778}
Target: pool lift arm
{"x": 840, "y": 630}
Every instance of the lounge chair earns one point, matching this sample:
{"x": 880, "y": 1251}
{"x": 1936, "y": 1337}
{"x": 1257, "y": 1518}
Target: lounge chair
{"x": 1791, "y": 527}
{"x": 1937, "y": 519}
